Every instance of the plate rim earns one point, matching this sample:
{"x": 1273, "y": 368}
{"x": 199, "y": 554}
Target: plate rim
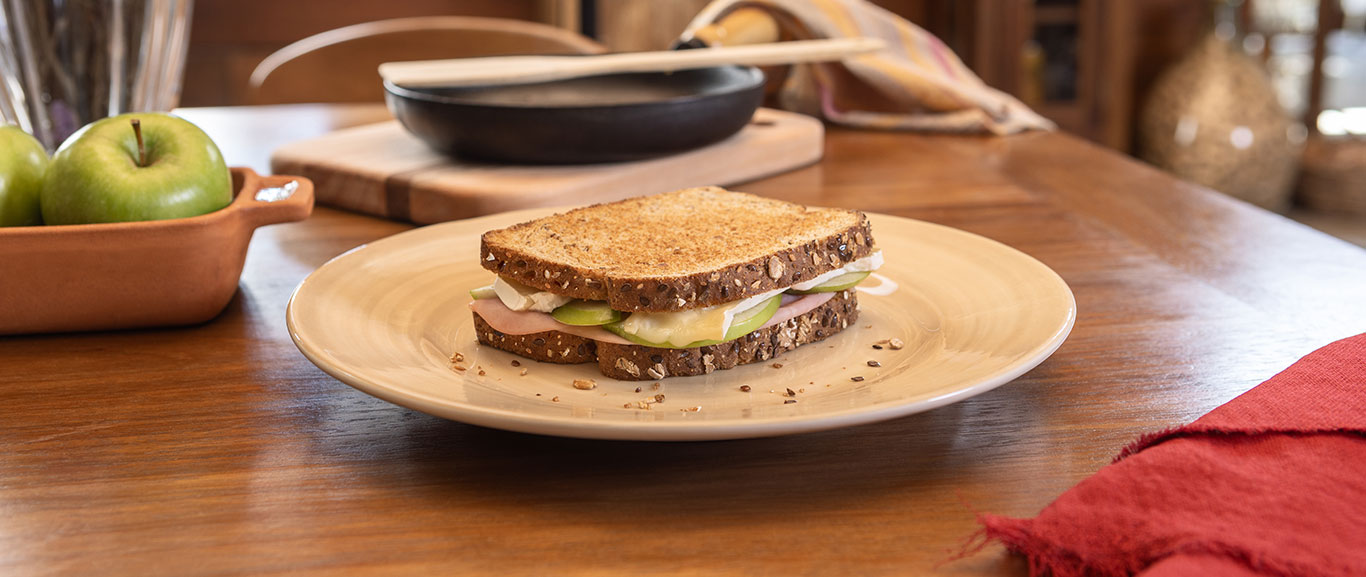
{"x": 512, "y": 420}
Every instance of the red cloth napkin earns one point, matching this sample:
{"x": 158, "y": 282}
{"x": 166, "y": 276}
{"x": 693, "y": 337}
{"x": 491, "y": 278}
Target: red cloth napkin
{"x": 1271, "y": 483}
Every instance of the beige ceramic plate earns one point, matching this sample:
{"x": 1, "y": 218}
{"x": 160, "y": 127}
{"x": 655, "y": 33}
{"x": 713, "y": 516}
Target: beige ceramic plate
{"x": 973, "y": 313}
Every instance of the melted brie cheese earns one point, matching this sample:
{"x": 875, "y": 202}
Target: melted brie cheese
{"x": 681, "y": 328}
{"x": 868, "y": 263}
{"x": 520, "y": 297}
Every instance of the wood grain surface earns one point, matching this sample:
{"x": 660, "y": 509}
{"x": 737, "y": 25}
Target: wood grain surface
{"x": 219, "y": 450}
{"x": 382, "y": 169}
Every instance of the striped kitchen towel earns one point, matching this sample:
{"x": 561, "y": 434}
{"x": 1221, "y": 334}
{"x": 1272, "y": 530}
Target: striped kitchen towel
{"x": 916, "y": 83}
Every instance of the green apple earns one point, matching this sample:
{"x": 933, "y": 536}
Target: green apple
{"x": 107, "y": 172}
{"x": 586, "y": 313}
{"x": 845, "y": 281}
{"x": 22, "y": 165}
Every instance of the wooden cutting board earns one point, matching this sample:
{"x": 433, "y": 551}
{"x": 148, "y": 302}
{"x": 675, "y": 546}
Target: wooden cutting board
{"x": 383, "y": 170}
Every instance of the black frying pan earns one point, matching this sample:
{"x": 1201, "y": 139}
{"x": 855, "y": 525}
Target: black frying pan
{"x": 594, "y": 119}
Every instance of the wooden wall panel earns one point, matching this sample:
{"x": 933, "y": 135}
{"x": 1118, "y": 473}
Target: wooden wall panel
{"x": 1164, "y": 30}
{"x": 229, "y": 37}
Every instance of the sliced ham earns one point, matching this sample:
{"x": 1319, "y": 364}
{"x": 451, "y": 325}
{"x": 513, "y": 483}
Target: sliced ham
{"x": 797, "y": 307}
{"x": 510, "y": 322}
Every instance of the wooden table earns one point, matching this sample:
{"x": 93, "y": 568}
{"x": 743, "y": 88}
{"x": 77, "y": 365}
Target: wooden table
{"x": 218, "y": 449}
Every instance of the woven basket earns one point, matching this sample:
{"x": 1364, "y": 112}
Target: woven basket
{"x": 1333, "y": 175}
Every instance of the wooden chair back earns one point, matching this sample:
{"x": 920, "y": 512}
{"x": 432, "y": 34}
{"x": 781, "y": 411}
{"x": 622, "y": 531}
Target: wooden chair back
{"x": 340, "y": 65}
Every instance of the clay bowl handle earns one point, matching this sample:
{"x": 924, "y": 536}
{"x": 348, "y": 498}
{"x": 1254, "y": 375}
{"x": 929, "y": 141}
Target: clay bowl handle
{"x": 275, "y": 199}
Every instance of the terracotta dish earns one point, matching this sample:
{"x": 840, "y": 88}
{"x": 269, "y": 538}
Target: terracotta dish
{"x": 139, "y": 274}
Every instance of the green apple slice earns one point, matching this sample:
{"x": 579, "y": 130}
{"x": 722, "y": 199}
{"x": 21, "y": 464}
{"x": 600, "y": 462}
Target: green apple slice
{"x": 742, "y": 323}
{"x": 746, "y": 322}
{"x": 583, "y": 313}
{"x": 842, "y": 282}
{"x": 483, "y": 292}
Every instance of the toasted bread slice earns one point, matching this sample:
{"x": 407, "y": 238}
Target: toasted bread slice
{"x": 678, "y": 250}
{"x": 639, "y": 362}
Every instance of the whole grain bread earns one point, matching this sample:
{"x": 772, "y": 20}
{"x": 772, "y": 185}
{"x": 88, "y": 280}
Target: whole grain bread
{"x": 547, "y": 346}
{"x": 640, "y": 363}
{"x": 677, "y": 250}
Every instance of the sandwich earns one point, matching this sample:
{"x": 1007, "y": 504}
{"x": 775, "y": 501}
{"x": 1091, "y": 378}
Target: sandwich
{"x": 680, "y": 283}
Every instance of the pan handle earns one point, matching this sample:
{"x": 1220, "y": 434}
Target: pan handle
{"x": 747, "y": 25}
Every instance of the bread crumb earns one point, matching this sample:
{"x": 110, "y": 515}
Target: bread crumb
{"x": 585, "y": 384}
{"x": 856, "y": 379}
{"x": 896, "y": 344}
{"x": 516, "y": 363}
{"x": 777, "y": 365}
{"x": 744, "y": 388}
{"x": 523, "y": 372}
{"x": 874, "y": 364}
{"x": 555, "y": 399}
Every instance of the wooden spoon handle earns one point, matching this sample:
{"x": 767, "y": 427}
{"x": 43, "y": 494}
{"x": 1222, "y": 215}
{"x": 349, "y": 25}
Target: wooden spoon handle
{"x": 527, "y": 69}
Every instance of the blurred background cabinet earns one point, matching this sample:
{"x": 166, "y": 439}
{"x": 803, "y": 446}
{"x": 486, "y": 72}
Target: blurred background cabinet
{"x": 1074, "y": 61}
{"x": 1089, "y": 65}
{"x": 1082, "y": 63}
{"x": 1086, "y": 64}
